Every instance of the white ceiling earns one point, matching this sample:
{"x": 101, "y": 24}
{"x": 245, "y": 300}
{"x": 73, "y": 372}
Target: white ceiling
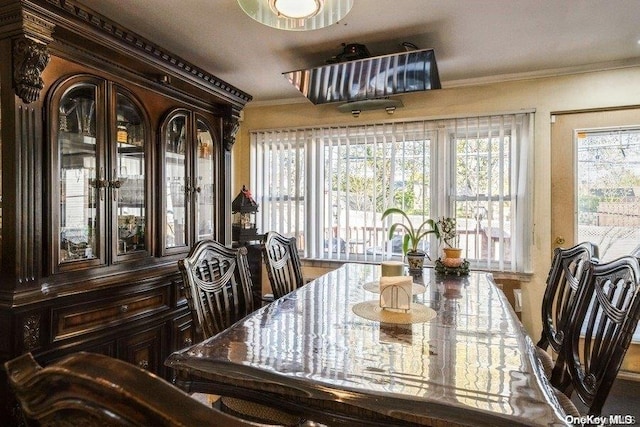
{"x": 474, "y": 40}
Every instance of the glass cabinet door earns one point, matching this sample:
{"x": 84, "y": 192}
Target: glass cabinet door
{"x": 81, "y": 183}
{"x": 128, "y": 182}
{"x": 204, "y": 184}
{"x": 175, "y": 137}
{"x": 99, "y": 167}
{"x": 189, "y": 179}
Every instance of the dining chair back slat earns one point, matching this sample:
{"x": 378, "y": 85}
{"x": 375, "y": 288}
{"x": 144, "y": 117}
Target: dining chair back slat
{"x": 599, "y": 330}
{"x": 282, "y": 263}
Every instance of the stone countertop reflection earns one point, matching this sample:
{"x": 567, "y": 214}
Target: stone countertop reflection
{"x": 473, "y": 363}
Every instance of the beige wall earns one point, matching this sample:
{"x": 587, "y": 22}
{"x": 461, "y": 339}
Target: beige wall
{"x": 582, "y": 91}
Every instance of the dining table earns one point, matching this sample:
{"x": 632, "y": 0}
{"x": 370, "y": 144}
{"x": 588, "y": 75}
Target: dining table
{"x": 457, "y": 356}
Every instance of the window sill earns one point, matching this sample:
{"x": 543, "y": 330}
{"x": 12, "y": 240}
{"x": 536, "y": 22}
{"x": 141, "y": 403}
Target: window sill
{"x": 333, "y": 264}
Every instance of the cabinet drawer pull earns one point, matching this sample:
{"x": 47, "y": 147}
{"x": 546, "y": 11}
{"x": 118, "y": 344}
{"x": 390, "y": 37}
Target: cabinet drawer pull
{"x": 144, "y": 364}
{"x": 124, "y": 308}
{"x": 188, "y": 341}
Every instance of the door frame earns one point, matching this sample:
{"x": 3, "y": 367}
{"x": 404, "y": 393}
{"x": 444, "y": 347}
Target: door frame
{"x": 563, "y": 180}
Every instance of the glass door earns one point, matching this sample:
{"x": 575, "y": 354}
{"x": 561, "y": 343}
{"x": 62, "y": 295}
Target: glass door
{"x": 596, "y": 180}
{"x": 98, "y": 179}
{"x": 81, "y": 176}
{"x": 128, "y": 182}
{"x": 204, "y": 183}
{"x": 175, "y": 167}
{"x": 189, "y": 181}
{"x": 595, "y": 188}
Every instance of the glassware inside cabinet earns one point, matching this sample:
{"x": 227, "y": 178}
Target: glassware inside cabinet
{"x": 80, "y": 184}
{"x": 129, "y": 177}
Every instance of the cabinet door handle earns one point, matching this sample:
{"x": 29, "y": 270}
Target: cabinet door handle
{"x": 115, "y": 185}
{"x": 144, "y": 364}
{"x": 124, "y": 308}
{"x": 101, "y": 183}
{"x": 187, "y": 188}
{"x": 196, "y": 193}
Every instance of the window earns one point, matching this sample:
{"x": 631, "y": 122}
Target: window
{"x": 608, "y": 189}
{"x": 329, "y": 186}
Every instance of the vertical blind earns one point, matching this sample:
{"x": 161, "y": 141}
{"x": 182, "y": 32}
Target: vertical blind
{"x": 328, "y": 186}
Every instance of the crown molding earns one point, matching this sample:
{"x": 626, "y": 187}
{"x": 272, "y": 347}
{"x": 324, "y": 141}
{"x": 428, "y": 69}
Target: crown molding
{"x": 90, "y": 25}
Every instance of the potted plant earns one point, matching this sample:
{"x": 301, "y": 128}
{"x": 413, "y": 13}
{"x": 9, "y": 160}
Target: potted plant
{"x": 451, "y": 262}
{"x": 412, "y": 237}
{"x": 447, "y": 235}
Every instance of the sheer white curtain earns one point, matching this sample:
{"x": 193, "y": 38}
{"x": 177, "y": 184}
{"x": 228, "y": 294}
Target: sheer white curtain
{"x": 328, "y": 186}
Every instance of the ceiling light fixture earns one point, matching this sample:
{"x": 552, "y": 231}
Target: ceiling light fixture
{"x": 296, "y": 15}
{"x": 296, "y": 9}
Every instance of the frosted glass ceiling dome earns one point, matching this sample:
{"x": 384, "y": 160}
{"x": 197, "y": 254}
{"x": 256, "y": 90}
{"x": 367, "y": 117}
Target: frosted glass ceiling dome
{"x": 296, "y": 15}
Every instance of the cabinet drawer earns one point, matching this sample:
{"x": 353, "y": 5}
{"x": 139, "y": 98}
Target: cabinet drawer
{"x": 83, "y": 318}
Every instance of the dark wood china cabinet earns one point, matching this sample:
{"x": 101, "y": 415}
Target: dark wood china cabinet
{"x": 114, "y": 160}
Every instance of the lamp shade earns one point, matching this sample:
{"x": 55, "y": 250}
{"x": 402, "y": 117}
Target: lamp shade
{"x": 296, "y": 15}
{"x": 244, "y": 202}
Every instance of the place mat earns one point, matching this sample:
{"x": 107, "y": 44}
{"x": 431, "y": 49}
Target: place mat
{"x": 371, "y": 310}
{"x": 375, "y": 287}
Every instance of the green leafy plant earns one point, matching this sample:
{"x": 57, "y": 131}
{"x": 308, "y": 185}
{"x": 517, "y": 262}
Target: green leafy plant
{"x": 412, "y": 235}
{"x": 447, "y": 232}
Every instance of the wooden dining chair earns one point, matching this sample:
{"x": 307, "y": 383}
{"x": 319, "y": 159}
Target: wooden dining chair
{"x": 217, "y": 284}
{"x": 599, "y": 331}
{"x": 567, "y": 267}
{"x": 88, "y": 389}
{"x": 282, "y": 263}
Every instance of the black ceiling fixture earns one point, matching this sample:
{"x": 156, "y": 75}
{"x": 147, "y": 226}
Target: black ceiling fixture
{"x": 350, "y": 52}
{"x": 354, "y": 75}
